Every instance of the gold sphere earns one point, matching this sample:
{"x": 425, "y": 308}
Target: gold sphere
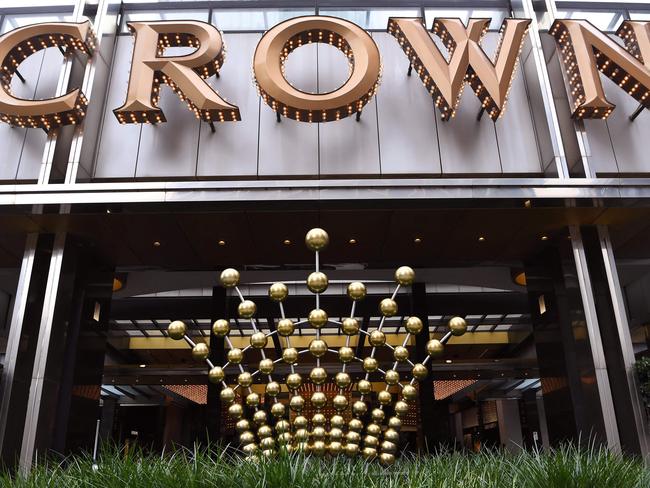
{"x": 318, "y": 449}
{"x": 318, "y": 399}
{"x": 317, "y": 318}
{"x": 300, "y": 422}
{"x": 318, "y": 348}
{"x": 388, "y": 307}
{"x": 420, "y": 371}
{"x": 252, "y": 400}
{"x": 318, "y": 433}
{"x": 301, "y": 435}
{"x": 273, "y": 389}
{"x": 243, "y": 425}
{"x": 201, "y": 351}
{"x": 404, "y": 275}
{"x": 401, "y": 354}
{"x": 266, "y": 366}
{"x": 285, "y": 327}
{"x": 373, "y": 429}
{"x": 355, "y": 425}
{"x": 259, "y": 417}
{"x": 409, "y": 393}
{"x": 318, "y": 375}
{"x": 369, "y": 453}
{"x": 386, "y": 459}
{"x": 317, "y": 239}
{"x": 282, "y": 426}
{"x": 245, "y": 379}
{"x": 391, "y": 435}
{"x": 259, "y": 340}
{"x": 216, "y": 375}
{"x": 350, "y": 326}
{"x": 388, "y": 447}
{"x": 290, "y": 355}
{"x": 353, "y": 437}
{"x": 359, "y": 408}
{"x": 337, "y": 422}
{"x": 370, "y": 364}
{"x": 391, "y": 377}
{"x": 278, "y": 292}
{"x": 246, "y": 438}
{"x": 317, "y": 282}
{"x": 457, "y": 326}
{"x": 370, "y": 441}
{"x": 351, "y": 450}
{"x": 235, "y": 355}
{"x": 278, "y": 410}
{"x": 346, "y": 354}
{"x": 220, "y": 328}
{"x": 177, "y": 329}
{"x": 435, "y": 348}
{"x": 250, "y": 450}
{"x": 227, "y": 395}
{"x": 364, "y": 387}
{"x": 235, "y": 410}
{"x": 395, "y": 423}
{"x": 342, "y": 380}
{"x": 378, "y": 415}
{"x": 246, "y": 309}
{"x": 384, "y": 397}
{"x": 229, "y": 277}
{"x": 284, "y": 438}
{"x": 413, "y": 325}
{"x": 267, "y": 443}
{"x": 357, "y": 290}
{"x": 297, "y": 403}
{"x": 336, "y": 434}
{"x": 401, "y": 408}
{"x": 294, "y": 380}
{"x": 318, "y": 420}
{"x": 340, "y": 402}
{"x": 377, "y": 338}
{"x": 264, "y": 431}
{"x": 335, "y": 448}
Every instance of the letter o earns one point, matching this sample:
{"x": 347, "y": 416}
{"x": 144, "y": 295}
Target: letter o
{"x": 274, "y": 48}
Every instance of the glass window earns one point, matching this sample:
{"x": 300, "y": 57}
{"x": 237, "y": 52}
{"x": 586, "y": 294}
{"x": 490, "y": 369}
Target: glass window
{"x": 640, "y": 15}
{"x": 374, "y": 19}
{"x": 149, "y": 15}
{"x": 12, "y": 22}
{"x": 497, "y": 16}
{"x": 605, "y": 21}
{"x": 253, "y": 20}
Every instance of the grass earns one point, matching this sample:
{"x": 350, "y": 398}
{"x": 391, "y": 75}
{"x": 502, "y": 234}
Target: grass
{"x": 565, "y": 467}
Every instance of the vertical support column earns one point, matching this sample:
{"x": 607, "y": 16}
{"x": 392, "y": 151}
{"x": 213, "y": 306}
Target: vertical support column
{"x": 509, "y": 425}
{"x": 217, "y": 356}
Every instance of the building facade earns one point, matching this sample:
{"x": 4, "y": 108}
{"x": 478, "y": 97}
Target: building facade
{"x": 120, "y": 207}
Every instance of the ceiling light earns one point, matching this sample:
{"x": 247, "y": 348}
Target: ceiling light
{"x": 156, "y": 243}
{"x": 117, "y": 284}
{"x": 143, "y": 365}
{"x": 286, "y": 242}
{"x": 544, "y": 238}
{"x": 417, "y": 240}
{"x": 352, "y": 241}
{"x": 222, "y": 243}
{"x": 520, "y": 278}
{"x": 448, "y": 361}
{"x": 108, "y": 210}
{"x": 481, "y": 239}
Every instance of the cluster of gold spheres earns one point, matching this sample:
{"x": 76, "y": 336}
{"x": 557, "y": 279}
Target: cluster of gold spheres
{"x": 371, "y": 431}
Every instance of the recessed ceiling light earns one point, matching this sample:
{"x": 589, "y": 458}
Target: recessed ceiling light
{"x": 156, "y": 243}
{"x": 143, "y": 365}
{"x": 222, "y": 243}
{"x": 448, "y": 361}
{"x": 108, "y": 210}
{"x": 352, "y": 241}
{"x": 417, "y": 240}
{"x": 528, "y": 204}
{"x": 286, "y": 242}
{"x": 481, "y": 239}
{"x": 544, "y": 238}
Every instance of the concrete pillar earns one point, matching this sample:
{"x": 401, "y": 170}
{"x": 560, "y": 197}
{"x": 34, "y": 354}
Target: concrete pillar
{"x": 510, "y": 425}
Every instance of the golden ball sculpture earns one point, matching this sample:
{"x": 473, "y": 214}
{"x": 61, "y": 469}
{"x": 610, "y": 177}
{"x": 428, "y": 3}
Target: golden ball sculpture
{"x": 252, "y": 399}
{"x": 294, "y": 380}
{"x": 435, "y": 348}
{"x": 246, "y": 438}
{"x": 401, "y": 354}
{"x": 350, "y": 326}
{"x": 282, "y": 426}
{"x": 266, "y": 366}
{"x": 409, "y": 393}
{"x": 317, "y": 282}
{"x": 342, "y": 380}
{"x": 235, "y": 410}
{"x": 457, "y": 326}
{"x": 386, "y": 459}
{"x": 229, "y": 277}
{"x": 235, "y": 355}
{"x": 355, "y": 425}
{"x": 243, "y": 425}
{"x": 334, "y": 448}
{"x": 420, "y": 371}
{"x": 245, "y": 379}
{"x": 369, "y": 453}
{"x": 220, "y": 328}
{"x": 337, "y": 422}
{"x": 370, "y": 365}
{"x": 353, "y": 437}
{"x": 346, "y": 354}
{"x": 388, "y": 447}
{"x": 259, "y": 340}
{"x": 377, "y": 338}
{"x": 318, "y": 348}
{"x": 285, "y": 327}
{"x": 318, "y": 433}
{"x": 373, "y": 429}
{"x": 297, "y": 403}
{"x": 388, "y": 307}
{"x": 318, "y": 318}
{"x": 177, "y": 329}
{"x": 278, "y": 292}
{"x": 378, "y": 415}
{"x": 246, "y": 309}
{"x": 290, "y": 355}
{"x": 404, "y": 275}
{"x": 259, "y": 417}
{"x": 250, "y": 450}
{"x": 359, "y": 408}
{"x": 264, "y": 431}
{"x": 318, "y": 448}
{"x": 395, "y": 423}
{"x": 401, "y": 408}
{"x": 318, "y": 375}
{"x": 318, "y": 399}
{"x": 278, "y": 410}
{"x": 384, "y": 397}
{"x": 413, "y": 325}
{"x": 391, "y": 377}
{"x": 216, "y": 375}
{"x": 200, "y": 351}
{"x": 300, "y": 422}
{"x": 227, "y": 395}
{"x": 273, "y": 389}
{"x": 357, "y": 290}
{"x": 318, "y": 420}
{"x": 391, "y": 435}
{"x": 301, "y": 435}
{"x": 267, "y": 443}
{"x": 317, "y": 239}
{"x": 336, "y": 434}
{"x": 364, "y": 387}
{"x": 340, "y": 403}
{"x": 351, "y": 450}
{"x": 370, "y": 441}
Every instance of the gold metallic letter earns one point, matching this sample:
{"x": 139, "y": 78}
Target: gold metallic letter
{"x": 276, "y": 45}
{"x": 468, "y": 62}
{"x": 585, "y": 51}
{"x": 18, "y": 45}
{"x": 184, "y": 74}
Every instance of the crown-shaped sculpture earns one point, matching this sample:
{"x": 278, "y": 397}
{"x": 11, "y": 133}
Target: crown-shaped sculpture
{"x": 370, "y": 432}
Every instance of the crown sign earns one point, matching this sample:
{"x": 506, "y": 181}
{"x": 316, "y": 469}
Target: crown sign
{"x": 370, "y": 432}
